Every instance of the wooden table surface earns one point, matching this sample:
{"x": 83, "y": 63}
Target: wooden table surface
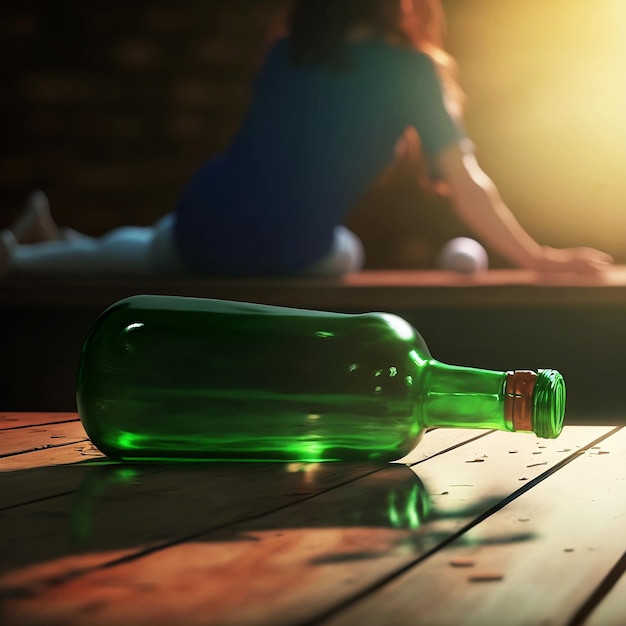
{"x": 479, "y": 528}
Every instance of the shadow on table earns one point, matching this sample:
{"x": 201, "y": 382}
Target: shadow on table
{"x": 97, "y": 513}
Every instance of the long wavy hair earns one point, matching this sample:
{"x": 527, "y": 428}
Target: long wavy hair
{"x": 318, "y": 29}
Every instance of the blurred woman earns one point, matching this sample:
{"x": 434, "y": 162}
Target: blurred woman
{"x": 353, "y": 85}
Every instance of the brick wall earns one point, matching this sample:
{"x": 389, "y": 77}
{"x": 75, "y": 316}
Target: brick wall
{"x": 109, "y": 106}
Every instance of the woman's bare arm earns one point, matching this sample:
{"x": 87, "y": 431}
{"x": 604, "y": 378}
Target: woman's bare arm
{"x": 478, "y": 204}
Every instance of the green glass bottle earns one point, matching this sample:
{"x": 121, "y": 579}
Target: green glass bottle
{"x": 164, "y": 377}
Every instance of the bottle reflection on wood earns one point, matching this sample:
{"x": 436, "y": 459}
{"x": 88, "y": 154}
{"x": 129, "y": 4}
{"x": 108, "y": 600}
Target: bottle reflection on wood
{"x": 190, "y": 378}
{"x": 118, "y": 506}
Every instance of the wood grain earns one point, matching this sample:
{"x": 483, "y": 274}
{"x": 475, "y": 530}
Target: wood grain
{"x": 441, "y": 440}
{"x": 13, "y": 420}
{"x": 550, "y": 549}
{"x": 301, "y": 561}
{"x": 612, "y": 608}
{"x": 119, "y": 507}
{"x": 131, "y": 496}
{"x": 50, "y": 457}
{"x": 20, "y": 440}
{"x": 35, "y": 475}
{"x": 40, "y": 483}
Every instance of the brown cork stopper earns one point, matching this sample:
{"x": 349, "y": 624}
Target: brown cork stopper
{"x": 518, "y": 399}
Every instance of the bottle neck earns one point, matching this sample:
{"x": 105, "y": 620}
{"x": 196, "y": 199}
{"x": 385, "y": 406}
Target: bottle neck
{"x": 466, "y": 397}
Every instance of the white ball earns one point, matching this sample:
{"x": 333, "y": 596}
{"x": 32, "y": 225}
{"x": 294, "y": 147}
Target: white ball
{"x": 463, "y": 255}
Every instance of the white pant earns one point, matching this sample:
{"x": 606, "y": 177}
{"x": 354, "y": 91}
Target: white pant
{"x": 130, "y": 250}
{"x": 346, "y": 255}
{"x": 150, "y": 250}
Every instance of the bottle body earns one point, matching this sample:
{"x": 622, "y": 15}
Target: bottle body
{"x": 191, "y": 378}
{"x": 188, "y": 378}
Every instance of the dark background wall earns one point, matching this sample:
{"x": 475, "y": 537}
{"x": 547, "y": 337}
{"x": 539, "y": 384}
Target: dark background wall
{"x": 109, "y": 106}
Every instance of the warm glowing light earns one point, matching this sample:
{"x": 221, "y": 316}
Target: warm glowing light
{"x": 547, "y": 111}
{"x": 302, "y": 468}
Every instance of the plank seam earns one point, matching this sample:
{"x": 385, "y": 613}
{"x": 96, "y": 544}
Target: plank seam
{"x": 64, "y": 578}
{"x": 39, "y": 425}
{"x": 450, "y": 448}
{"x": 42, "y": 499}
{"x": 387, "y": 579}
{"x": 44, "y": 447}
{"x": 163, "y": 546}
{"x": 601, "y": 591}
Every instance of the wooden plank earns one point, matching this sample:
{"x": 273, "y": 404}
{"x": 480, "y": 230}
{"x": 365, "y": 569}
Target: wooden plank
{"x": 39, "y": 477}
{"x": 50, "y": 457}
{"x": 123, "y": 509}
{"x": 47, "y": 481}
{"x": 439, "y": 441}
{"x": 612, "y": 609}
{"x": 299, "y": 562}
{"x": 31, "y": 485}
{"x": 20, "y": 440}
{"x": 535, "y": 561}
{"x": 21, "y": 420}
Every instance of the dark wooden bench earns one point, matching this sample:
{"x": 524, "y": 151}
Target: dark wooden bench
{"x": 503, "y": 319}
{"x": 368, "y": 290}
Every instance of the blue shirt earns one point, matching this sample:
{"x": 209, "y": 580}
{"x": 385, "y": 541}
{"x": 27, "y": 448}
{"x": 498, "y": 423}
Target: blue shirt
{"x": 313, "y": 140}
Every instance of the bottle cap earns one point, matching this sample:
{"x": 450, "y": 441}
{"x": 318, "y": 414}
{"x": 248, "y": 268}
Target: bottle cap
{"x": 535, "y": 401}
{"x": 549, "y": 404}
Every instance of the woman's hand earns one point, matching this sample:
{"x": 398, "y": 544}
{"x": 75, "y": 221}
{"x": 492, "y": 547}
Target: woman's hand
{"x": 578, "y": 260}
{"x": 478, "y": 203}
